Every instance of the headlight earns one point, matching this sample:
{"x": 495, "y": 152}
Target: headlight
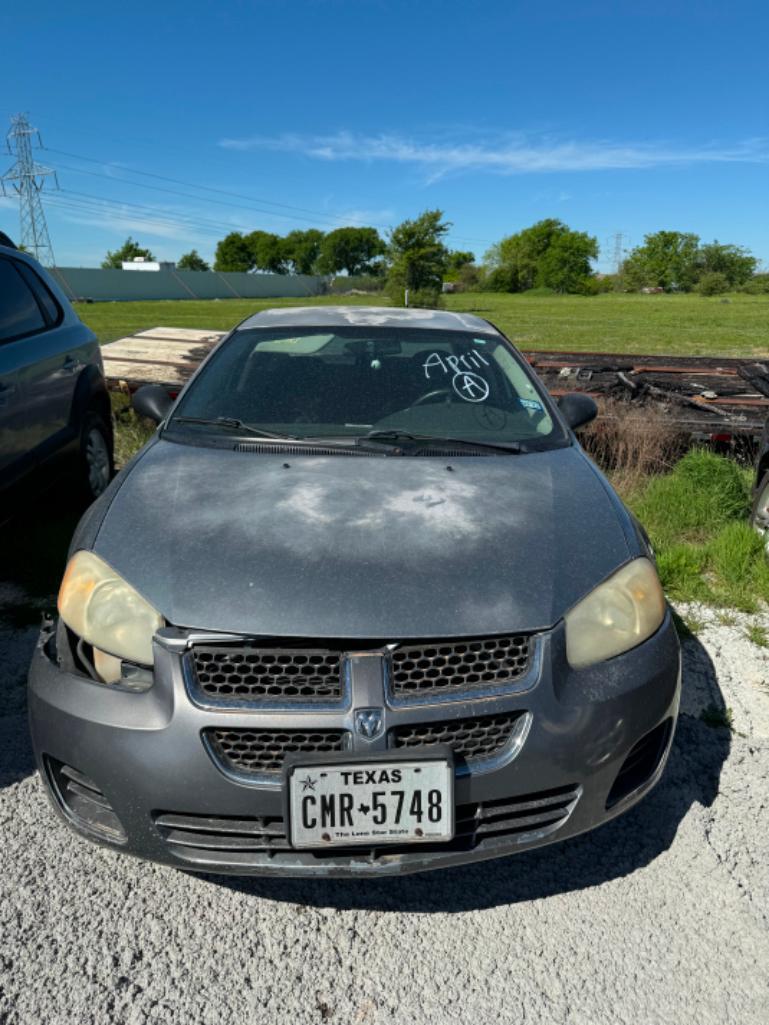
{"x": 99, "y": 606}
{"x": 619, "y": 614}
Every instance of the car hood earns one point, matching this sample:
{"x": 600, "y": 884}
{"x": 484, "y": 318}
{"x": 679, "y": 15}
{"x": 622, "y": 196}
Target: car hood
{"x": 380, "y": 547}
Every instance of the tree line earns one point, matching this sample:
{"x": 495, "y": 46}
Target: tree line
{"x": 548, "y": 256}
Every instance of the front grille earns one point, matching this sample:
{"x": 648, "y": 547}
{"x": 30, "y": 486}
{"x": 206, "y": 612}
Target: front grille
{"x": 420, "y": 671}
{"x": 263, "y": 752}
{"x": 229, "y": 674}
{"x": 473, "y": 740}
{"x": 251, "y": 842}
{"x": 243, "y": 673}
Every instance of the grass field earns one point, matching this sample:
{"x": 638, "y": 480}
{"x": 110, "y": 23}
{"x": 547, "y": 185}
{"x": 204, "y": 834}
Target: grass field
{"x": 697, "y": 519}
{"x": 735, "y": 325}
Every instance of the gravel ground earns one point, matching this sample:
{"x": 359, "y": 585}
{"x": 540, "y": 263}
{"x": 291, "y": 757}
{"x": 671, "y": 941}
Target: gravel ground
{"x": 660, "y": 916}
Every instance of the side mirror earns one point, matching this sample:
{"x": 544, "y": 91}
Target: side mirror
{"x": 152, "y": 401}
{"x": 577, "y": 409}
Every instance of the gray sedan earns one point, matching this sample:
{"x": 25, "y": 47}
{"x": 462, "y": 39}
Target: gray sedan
{"x": 362, "y": 606}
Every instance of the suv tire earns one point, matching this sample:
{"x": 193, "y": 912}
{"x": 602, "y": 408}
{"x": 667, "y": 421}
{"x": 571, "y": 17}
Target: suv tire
{"x": 96, "y": 463}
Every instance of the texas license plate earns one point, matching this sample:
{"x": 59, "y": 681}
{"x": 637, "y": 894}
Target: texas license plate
{"x": 371, "y": 803}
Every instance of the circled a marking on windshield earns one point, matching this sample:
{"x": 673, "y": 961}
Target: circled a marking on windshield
{"x": 470, "y": 387}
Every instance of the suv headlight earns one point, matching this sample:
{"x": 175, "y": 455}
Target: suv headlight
{"x": 106, "y": 612}
{"x": 620, "y": 613}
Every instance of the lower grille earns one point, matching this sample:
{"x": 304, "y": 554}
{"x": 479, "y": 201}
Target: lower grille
{"x": 263, "y": 834}
{"x": 473, "y": 740}
{"x": 263, "y": 752}
{"x": 250, "y": 842}
{"x": 85, "y": 804}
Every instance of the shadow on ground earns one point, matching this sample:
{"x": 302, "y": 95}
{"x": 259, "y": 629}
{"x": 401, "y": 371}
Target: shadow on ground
{"x": 615, "y": 850}
{"x": 34, "y": 547}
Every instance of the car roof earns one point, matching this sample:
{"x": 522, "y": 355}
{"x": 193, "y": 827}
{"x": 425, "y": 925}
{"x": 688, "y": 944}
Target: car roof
{"x": 367, "y": 316}
{"x": 18, "y": 254}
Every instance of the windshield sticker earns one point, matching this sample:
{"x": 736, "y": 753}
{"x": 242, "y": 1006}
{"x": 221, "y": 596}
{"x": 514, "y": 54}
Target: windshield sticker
{"x": 468, "y": 361}
{"x": 531, "y": 404}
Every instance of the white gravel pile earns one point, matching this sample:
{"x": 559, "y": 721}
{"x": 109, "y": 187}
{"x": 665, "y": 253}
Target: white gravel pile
{"x": 659, "y": 917}
{"x": 742, "y": 667}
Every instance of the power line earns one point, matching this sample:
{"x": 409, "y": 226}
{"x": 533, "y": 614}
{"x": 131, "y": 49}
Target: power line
{"x": 316, "y": 217}
{"x": 100, "y": 203}
{"x": 187, "y": 195}
{"x": 160, "y": 227}
{"x": 190, "y": 185}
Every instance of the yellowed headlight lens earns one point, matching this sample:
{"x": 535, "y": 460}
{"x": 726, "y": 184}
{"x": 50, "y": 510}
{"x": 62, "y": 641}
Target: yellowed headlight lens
{"x": 620, "y": 613}
{"x": 99, "y": 606}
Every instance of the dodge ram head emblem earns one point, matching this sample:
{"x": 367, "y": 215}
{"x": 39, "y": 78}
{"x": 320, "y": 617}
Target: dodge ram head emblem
{"x": 369, "y": 722}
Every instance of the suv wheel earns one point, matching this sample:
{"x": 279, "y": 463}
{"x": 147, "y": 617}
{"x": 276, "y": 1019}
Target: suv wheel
{"x": 95, "y": 455}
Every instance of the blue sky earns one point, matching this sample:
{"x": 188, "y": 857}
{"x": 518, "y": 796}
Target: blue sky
{"x": 614, "y": 117}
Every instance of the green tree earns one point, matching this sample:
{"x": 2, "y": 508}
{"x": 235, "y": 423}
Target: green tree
{"x": 192, "y": 261}
{"x": 667, "y": 259}
{"x": 517, "y": 257}
{"x": 353, "y": 250}
{"x": 736, "y": 264}
{"x": 457, "y": 259}
{"x": 712, "y": 282}
{"x": 128, "y": 251}
{"x": 233, "y": 253}
{"x": 565, "y": 264}
{"x": 546, "y": 255}
{"x": 301, "y": 250}
{"x": 267, "y": 252}
{"x": 757, "y": 285}
{"x": 418, "y": 257}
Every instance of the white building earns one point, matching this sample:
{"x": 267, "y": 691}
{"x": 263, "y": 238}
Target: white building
{"x": 142, "y": 263}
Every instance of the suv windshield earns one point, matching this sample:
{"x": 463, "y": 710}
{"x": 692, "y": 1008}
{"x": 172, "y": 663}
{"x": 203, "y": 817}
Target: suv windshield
{"x": 346, "y": 382}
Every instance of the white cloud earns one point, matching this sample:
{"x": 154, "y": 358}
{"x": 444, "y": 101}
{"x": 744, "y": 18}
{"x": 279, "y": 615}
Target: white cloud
{"x": 505, "y": 154}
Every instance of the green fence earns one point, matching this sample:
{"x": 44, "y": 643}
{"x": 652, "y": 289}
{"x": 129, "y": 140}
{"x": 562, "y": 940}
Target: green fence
{"x": 84, "y": 283}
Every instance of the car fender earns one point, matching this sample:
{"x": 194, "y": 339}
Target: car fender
{"x": 91, "y": 394}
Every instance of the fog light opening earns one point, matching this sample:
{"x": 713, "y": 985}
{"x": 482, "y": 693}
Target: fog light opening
{"x": 83, "y": 803}
{"x": 641, "y": 764}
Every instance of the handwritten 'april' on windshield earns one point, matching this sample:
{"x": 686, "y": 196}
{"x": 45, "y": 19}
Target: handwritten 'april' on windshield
{"x": 471, "y": 360}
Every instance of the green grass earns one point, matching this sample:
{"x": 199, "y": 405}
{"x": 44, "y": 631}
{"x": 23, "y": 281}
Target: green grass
{"x": 717, "y": 718}
{"x": 131, "y": 432}
{"x": 654, "y": 324}
{"x": 757, "y": 635}
{"x": 118, "y": 319}
{"x": 697, "y": 519}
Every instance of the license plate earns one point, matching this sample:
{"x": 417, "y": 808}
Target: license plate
{"x": 371, "y": 803}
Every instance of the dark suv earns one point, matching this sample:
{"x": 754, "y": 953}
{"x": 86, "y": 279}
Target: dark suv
{"x": 53, "y": 396}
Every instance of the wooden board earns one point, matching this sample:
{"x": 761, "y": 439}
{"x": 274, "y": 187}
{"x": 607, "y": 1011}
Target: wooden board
{"x": 161, "y": 355}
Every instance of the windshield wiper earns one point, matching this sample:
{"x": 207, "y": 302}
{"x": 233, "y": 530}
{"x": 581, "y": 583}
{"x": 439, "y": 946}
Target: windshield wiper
{"x": 233, "y": 424}
{"x": 395, "y": 436}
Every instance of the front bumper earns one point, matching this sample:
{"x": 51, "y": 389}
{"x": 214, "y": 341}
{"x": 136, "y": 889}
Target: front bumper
{"x": 145, "y": 754}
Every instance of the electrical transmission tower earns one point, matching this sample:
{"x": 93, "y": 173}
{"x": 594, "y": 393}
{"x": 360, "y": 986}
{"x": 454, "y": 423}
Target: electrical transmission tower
{"x": 27, "y": 178}
{"x": 618, "y": 243}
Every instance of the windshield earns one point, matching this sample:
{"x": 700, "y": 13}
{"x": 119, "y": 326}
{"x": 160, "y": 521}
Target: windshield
{"x": 346, "y": 382}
